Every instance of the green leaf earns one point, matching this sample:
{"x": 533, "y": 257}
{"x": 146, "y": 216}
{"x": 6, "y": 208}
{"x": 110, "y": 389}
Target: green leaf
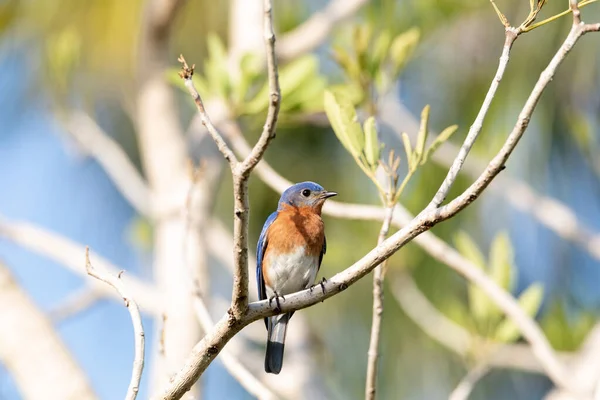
{"x": 402, "y": 48}
{"x": 438, "y": 141}
{"x": 407, "y": 150}
{"x": 480, "y": 305}
{"x": 362, "y": 38}
{"x": 422, "y": 136}
{"x": 380, "y": 50}
{"x": 346, "y": 62}
{"x": 291, "y": 77}
{"x": 530, "y": 301}
{"x": 371, "y": 143}
{"x": 501, "y": 261}
{"x": 343, "y": 119}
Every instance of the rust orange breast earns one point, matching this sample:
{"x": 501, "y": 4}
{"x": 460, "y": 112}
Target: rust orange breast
{"x": 296, "y": 226}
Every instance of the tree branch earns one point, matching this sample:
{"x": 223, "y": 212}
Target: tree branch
{"x": 111, "y": 157}
{"x": 241, "y": 170}
{"x": 235, "y": 368}
{"x": 551, "y": 213}
{"x": 74, "y": 303}
{"x": 33, "y": 352}
{"x": 440, "y": 196}
{"x": 378, "y": 277}
{"x": 136, "y": 319}
{"x": 68, "y": 253}
{"x": 466, "y": 385}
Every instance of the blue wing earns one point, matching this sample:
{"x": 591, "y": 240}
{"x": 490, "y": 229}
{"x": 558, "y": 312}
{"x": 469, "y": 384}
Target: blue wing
{"x": 323, "y": 251}
{"x": 260, "y": 252}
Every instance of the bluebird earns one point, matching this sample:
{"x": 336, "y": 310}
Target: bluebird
{"x": 288, "y": 256}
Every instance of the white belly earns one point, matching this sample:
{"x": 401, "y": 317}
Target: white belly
{"x": 290, "y": 273}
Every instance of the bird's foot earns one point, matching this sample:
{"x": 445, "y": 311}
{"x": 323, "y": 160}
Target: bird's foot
{"x": 321, "y": 283}
{"x": 276, "y": 297}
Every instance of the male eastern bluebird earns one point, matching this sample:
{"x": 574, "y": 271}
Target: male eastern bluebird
{"x": 288, "y": 256}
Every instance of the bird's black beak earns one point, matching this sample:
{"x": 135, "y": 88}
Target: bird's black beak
{"x": 327, "y": 195}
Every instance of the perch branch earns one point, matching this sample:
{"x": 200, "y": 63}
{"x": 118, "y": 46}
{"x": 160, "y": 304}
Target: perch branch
{"x": 136, "y": 319}
{"x": 235, "y": 368}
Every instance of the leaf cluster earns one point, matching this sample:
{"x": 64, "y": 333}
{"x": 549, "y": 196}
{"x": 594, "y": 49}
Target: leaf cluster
{"x": 486, "y": 317}
{"x": 374, "y": 61}
{"x": 247, "y": 92}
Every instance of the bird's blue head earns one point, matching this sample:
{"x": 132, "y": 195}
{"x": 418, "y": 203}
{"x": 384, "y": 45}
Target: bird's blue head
{"x": 305, "y": 194}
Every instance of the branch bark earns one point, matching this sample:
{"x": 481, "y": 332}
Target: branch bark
{"x": 68, "y": 253}
{"x": 241, "y": 169}
{"x": 235, "y": 368}
{"x": 440, "y": 196}
{"x": 378, "y": 277}
{"x": 32, "y": 352}
{"x": 136, "y": 319}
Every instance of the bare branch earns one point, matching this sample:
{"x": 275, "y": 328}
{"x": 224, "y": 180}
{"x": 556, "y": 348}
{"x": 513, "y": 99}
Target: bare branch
{"x": 80, "y": 300}
{"x": 466, "y": 385}
{"x": 435, "y": 324}
{"x": 232, "y": 364}
{"x": 136, "y": 319}
{"x": 315, "y": 30}
{"x": 550, "y": 212}
{"x": 497, "y": 163}
{"x": 440, "y": 196}
{"x": 111, "y": 157}
{"x": 268, "y": 132}
{"x": 186, "y": 74}
{"x": 33, "y": 352}
{"x": 378, "y": 277}
{"x": 68, "y": 253}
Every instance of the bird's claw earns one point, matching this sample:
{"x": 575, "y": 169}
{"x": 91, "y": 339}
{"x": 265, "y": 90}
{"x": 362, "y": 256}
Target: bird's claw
{"x": 276, "y": 297}
{"x": 321, "y": 283}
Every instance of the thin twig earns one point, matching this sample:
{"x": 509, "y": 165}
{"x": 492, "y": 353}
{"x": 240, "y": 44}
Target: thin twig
{"x": 466, "y": 385}
{"x": 378, "y": 277}
{"x": 440, "y": 196}
{"x": 268, "y": 132}
{"x": 68, "y": 254}
{"x": 75, "y": 303}
{"x": 136, "y": 319}
{"x": 242, "y": 173}
{"x": 235, "y": 368}
{"x": 186, "y": 74}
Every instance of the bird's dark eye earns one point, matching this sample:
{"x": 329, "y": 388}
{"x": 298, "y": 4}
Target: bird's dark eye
{"x": 306, "y": 193}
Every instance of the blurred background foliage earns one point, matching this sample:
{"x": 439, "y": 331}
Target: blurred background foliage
{"x": 57, "y": 55}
